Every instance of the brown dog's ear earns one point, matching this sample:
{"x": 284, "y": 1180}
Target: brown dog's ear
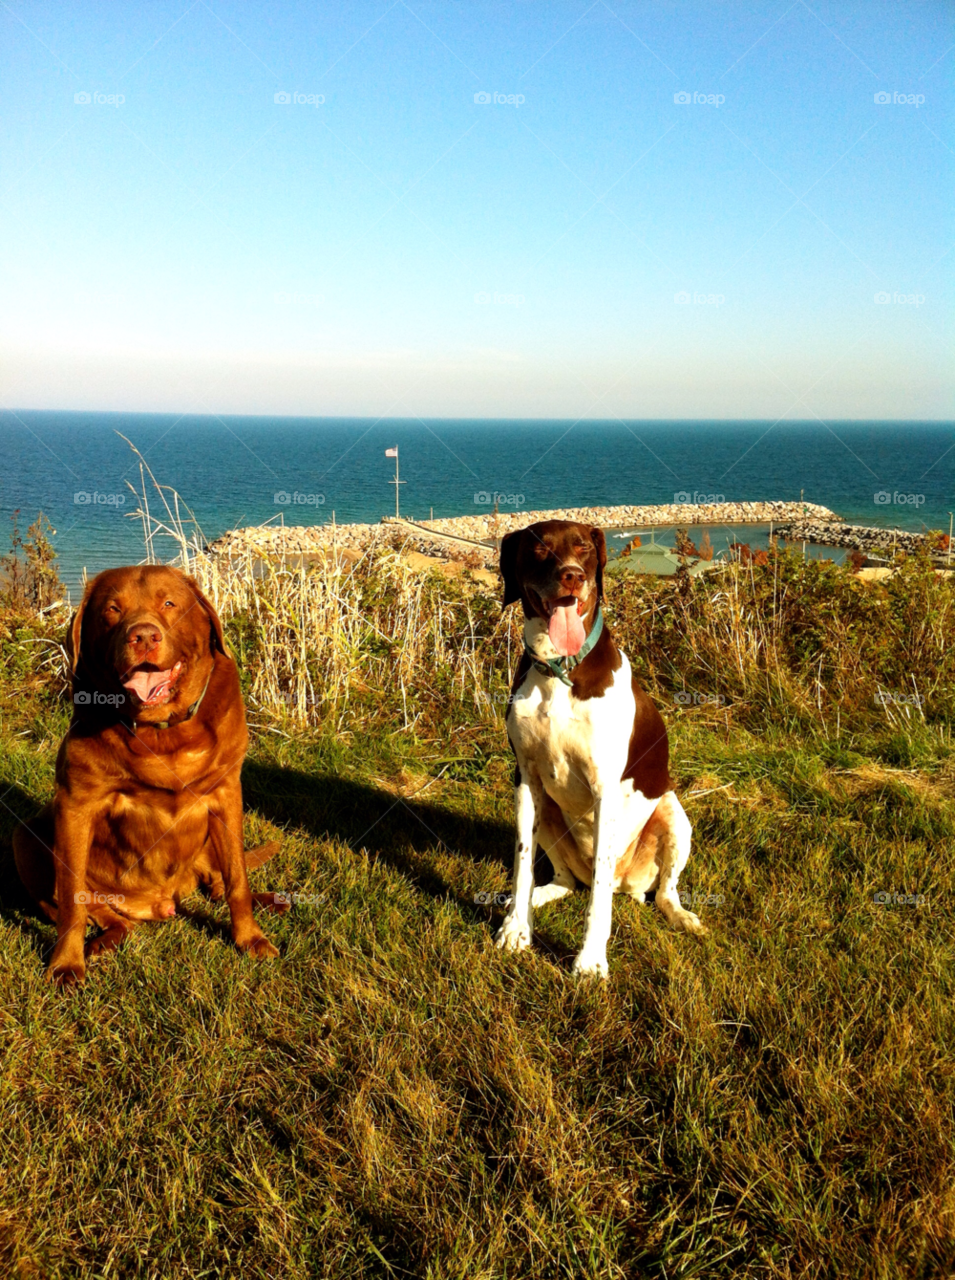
{"x": 217, "y": 637}
{"x": 600, "y": 542}
{"x": 510, "y": 544}
{"x": 74, "y": 635}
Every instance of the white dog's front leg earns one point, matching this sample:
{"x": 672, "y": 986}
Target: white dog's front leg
{"x": 515, "y": 932}
{"x": 592, "y": 959}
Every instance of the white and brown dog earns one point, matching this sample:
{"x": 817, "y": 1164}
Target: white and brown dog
{"x": 592, "y": 784}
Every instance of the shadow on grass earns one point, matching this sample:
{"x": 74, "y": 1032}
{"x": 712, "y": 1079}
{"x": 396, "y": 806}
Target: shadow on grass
{"x": 16, "y": 905}
{"x": 403, "y": 833}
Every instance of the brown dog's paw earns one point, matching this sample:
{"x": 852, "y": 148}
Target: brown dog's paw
{"x": 63, "y": 975}
{"x": 261, "y": 948}
{"x": 106, "y": 942}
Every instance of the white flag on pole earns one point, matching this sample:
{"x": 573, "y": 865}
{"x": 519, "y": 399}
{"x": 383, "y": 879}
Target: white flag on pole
{"x": 391, "y": 453}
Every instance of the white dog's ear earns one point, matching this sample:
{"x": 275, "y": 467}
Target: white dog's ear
{"x": 510, "y": 545}
{"x": 600, "y": 543}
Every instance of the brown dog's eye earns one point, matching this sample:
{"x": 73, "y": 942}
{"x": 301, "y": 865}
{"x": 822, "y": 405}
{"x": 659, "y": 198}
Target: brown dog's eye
{"x": 540, "y": 551}
{"x": 169, "y": 604}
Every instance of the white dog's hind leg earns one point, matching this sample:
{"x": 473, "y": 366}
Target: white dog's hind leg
{"x": 552, "y": 831}
{"x": 672, "y": 854}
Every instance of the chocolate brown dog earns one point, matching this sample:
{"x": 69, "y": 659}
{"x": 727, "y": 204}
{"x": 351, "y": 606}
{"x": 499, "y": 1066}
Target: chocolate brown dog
{"x": 148, "y": 802}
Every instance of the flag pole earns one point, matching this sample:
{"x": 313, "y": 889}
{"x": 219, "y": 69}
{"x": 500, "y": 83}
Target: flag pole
{"x": 393, "y": 453}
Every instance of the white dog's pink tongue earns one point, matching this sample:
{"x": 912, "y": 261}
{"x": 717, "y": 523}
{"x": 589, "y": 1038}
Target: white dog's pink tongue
{"x": 566, "y": 628}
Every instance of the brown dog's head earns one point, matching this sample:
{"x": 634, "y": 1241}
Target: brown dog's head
{"x": 149, "y": 631}
{"x": 555, "y": 568}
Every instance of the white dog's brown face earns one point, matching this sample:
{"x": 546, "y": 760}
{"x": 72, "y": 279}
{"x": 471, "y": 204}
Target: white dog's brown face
{"x": 555, "y": 568}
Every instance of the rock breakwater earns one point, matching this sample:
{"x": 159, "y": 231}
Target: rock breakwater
{"x": 272, "y": 541}
{"x": 857, "y": 537}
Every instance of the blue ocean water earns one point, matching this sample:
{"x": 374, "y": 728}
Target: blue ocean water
{"x": 235, "y": 471}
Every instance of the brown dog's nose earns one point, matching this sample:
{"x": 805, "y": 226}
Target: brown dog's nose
{"x": 571, "y": 577}
{"x": 145, "y": 635}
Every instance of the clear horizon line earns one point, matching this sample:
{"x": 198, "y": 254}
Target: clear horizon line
{"x": 349, "y": 417}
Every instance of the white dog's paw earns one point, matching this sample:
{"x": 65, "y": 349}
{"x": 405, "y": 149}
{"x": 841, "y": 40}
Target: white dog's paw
{"x": 513, "y": 935}
{"x": 549, "y": 893}
{"x": 689, "y": 922}
{"x": 679, "y": 918}
{"x": 590, "y": 966}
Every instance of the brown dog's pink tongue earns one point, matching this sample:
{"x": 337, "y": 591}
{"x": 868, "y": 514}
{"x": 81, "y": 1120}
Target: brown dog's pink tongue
{"x": 566, "y": 629}
{"x": 148, "y": 684}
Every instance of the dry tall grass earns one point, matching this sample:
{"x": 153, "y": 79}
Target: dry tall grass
{"x": 327, "y": 644}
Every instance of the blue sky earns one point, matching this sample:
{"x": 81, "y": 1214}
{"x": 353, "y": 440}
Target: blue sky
{"x": 583, "y": 244}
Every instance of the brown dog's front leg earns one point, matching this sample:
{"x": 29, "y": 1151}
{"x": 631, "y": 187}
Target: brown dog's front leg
{"x": 225, "y": 829}
{"x": 73, "y": 835}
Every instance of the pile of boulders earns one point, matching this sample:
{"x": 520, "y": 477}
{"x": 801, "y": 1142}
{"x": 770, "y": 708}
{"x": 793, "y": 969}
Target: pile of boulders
{"x": 857, "y": 537}
{"x": 496, "y": 524}
{"x": 276, "y": 541}
{"x": 273, "y": 541}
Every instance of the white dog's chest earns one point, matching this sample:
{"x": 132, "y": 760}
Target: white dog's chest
{"x": 573, "y": 744}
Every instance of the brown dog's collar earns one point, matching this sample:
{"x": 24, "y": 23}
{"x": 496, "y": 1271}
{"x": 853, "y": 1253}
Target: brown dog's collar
{"x": 133, "y": 725}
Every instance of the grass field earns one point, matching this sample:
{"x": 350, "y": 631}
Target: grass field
{"x": 395, "y": 1097}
